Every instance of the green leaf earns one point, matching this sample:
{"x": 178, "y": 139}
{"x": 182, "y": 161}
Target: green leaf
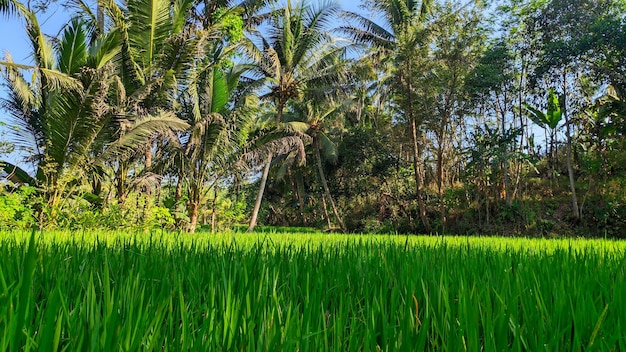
{"x": 554, "y": 114}
{"x": 72, "y": 52}
{"x": 24, "y": 297}
{"x": 17, "y": 174}
{"x": 536, "y": 115}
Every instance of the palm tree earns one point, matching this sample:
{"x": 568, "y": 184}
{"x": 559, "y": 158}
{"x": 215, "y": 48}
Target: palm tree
{"x": 65, "y": 114}
{"x": 297, "y": 55}
{"x": 215, "y": 132}
{"x": 208, "y": 96}
{"x": 396, "y": 42}
{"x": 156, "y": 48}
{"x": 313, "y": 119}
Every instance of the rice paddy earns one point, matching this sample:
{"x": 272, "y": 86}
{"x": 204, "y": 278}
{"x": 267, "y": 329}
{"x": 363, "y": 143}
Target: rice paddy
{"x": 117, "y": 291}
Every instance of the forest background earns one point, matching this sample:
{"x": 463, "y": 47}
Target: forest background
{"x": 404, "y": 116}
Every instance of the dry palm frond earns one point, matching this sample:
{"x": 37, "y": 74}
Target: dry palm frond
{"x": 280, "y": 146}
{"x": 146, "y": 182}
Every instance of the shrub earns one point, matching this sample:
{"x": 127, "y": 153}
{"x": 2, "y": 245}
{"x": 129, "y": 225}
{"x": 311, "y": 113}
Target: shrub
{"x": 17, "y": 206}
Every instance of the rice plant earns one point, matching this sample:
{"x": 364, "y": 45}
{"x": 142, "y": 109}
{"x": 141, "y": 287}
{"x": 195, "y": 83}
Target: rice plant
{"x": 308, "y": 292}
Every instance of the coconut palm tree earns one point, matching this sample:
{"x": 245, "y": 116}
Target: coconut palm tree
{"x": 64, "y": 113}
{"x": 298, "y": 54}
{"x": 156, "y": 47}
{"x": 314, "y": 119}
{"x": 216, "y": 131}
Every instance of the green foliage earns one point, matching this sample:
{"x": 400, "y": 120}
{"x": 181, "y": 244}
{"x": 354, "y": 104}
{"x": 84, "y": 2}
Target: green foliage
{"x": 6, "y": 147}
{"x": 107, "y": 113}
{"x": 552, "y": 117}
{"x": 231, "y": 23}
{"x": 119, "y": 291}
{"x": 139, "y": 214}
{"x": 18, "y": 206}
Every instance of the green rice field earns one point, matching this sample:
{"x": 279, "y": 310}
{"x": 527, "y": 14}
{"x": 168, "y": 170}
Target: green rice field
{"x": 105, "y": 291}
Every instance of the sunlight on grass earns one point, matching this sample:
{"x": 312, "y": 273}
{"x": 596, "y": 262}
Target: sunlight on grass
{"x": 308, "y": 291}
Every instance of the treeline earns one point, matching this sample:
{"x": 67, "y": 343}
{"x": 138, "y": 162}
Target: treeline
{"x": 410, "y": 116}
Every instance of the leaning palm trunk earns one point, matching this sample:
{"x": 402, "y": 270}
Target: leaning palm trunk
{"x": 325, "y": 207}
{"x": 320, "y": 169}
{"x": 259, "y": 197}
{"x": 570, "y": 173}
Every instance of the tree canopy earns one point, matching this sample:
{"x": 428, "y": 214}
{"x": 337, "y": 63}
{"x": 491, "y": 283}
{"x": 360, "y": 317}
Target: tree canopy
{"x": 406, "y": 116}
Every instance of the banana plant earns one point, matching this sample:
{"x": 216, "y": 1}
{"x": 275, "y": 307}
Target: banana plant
{"x": 548, "y": 120}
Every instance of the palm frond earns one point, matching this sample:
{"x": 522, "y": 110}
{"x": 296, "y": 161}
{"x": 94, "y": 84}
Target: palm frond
{"x": 54, "y": 79}
{"x": 145, "y": 182}
{"x": 149, "y": 26}
{"x": 22, "y": 103}
{"x": 142, "y": 130}
{"x": 364, "y": 30}
{"x": 205, "y": 135}
{"x": 105, "y": 49}
{"x": 329, "y": 148}
{"x": 43, "y": 52}
{"x": 12, "y": 7}
{"x": 72, "y": 51}
{"x": 279, "y": 146}
{"x": 180, "y": 14}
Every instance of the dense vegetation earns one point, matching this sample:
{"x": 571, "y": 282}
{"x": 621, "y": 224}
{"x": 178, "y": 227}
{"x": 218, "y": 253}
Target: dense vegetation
{"x": 308, "y": 292}
{"x": 411, "y": 116}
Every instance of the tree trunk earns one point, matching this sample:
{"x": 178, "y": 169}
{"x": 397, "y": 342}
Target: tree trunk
{"x": 505, "y": 161}
{"x": 419, "y": 180}
{"x": 179, "y": 189}
{"x": 320, "y": 169}
{"x": 178, "y": 194}
{"x": 523, "y": 127}
{"x": 302, "y": 194}
{"x": 325, "y": 207}
{"x": 416, "y": 157}
{"x": 568, "y": 150}
{"x": 120, "y": 184}
{"x": 440, "y": 176}
{"x": 259, "y": 197}
{"x": 100, "y": 18}
{"x": 193, "y": 216}
{"x": 148, "y": 156}
{"x": 193, "y": 205}
{"x": 296, "y": 191}
{"x": 213, "y": 210}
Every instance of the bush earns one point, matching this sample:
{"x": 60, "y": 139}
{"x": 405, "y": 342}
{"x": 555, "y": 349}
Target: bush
{"x": 17, "y": 206}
